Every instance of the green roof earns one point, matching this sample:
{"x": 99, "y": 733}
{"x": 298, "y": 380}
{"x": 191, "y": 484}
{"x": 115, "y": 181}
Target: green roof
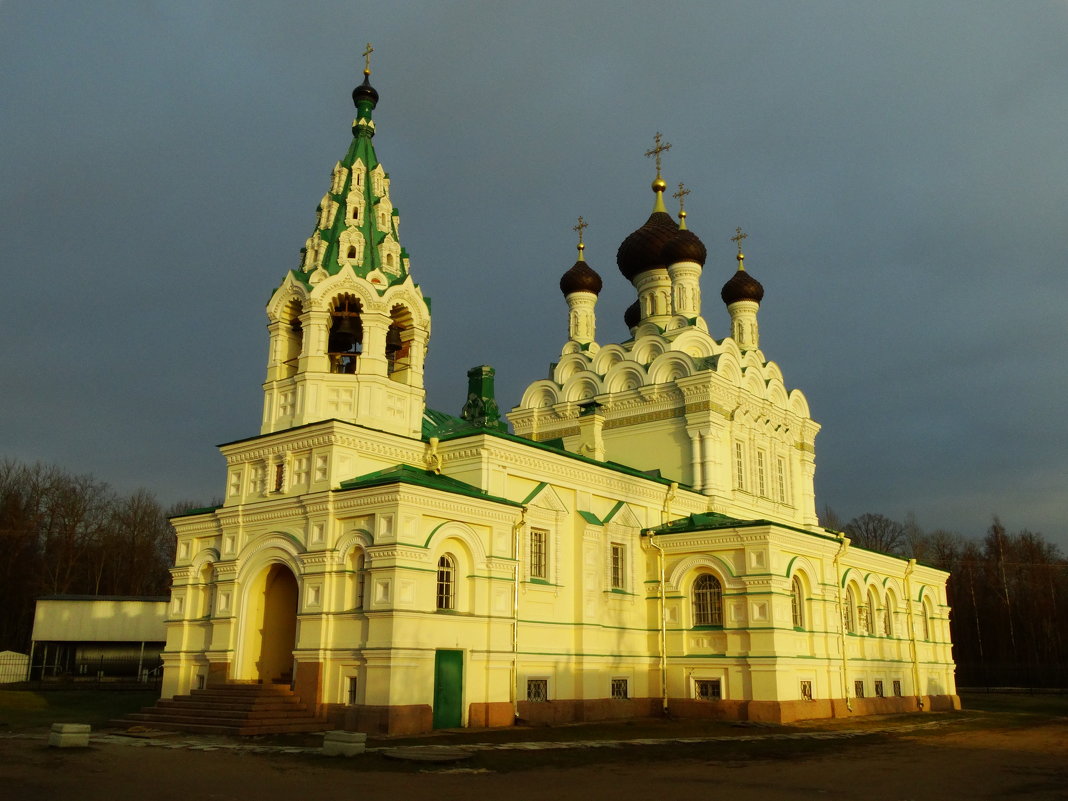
{"x": 702, "y": 521}
{"x": 406, "y": 474}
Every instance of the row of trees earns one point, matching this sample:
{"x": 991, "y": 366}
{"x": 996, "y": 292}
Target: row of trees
{"x": 70, "y": 534}
{"x": 1008, "y": 593}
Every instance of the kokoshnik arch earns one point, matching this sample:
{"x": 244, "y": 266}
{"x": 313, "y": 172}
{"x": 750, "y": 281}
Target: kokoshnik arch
{"x": 646, "y": 539}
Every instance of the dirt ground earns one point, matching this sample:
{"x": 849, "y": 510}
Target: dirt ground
{"x": 971, "y": 756}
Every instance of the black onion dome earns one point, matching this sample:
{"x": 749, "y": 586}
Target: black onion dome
{"x": 641, "y": 250}
{"x": 365, "y": 92}
{"x": 742, "y": 286}
{"x": 580, "y": 278}
{"x": 633, "y": 315}
{"x": 684, "y": 246}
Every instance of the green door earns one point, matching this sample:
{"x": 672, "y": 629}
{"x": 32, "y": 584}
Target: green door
{"x": 448, "y": 689}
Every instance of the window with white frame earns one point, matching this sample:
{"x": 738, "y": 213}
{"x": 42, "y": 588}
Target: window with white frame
{"x": 762, "y": 488}
{"x": 797, "y": 602}
{"x": 537, "y": 690}
{"x": 539, "y": 553}
{"x": 446, "y": 594}
{"x": 618, "y": 566}
{"x": 707, "y": 601}
{"x": 806, "y": 690}
{"x": 849, "y": 611}
{"x": 620, "y": 690}
{"x": 739, "y": 465}
{"x": 858, "y": 688}
{"x": 708, "y": 689}
{"x": 878, "y": 688}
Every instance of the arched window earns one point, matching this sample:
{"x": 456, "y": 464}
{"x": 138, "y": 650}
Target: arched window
{"x": 707, "y": 601}
{"x": 352, "y": 252}
{"x": 358, "y": 567}
{"x": 849, "y": 611}
{"x": 446, "y": 583}
{"x": 888, "y": 617}
{"x": 398, "y": 344}
{"x": 873, "y": 614}
{"x": 925, "y": 614}
{"x": 797, "y": 601}
{"x": 346, "y": 335}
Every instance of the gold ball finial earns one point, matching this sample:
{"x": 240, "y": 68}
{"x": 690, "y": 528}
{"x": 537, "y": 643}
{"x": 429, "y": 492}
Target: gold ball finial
{"x": 659, "y": 185}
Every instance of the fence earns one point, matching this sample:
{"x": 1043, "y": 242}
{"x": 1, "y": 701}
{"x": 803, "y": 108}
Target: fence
{"x": 54, "y": 670}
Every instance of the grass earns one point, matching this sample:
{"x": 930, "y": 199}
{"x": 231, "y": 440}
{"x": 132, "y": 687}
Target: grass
{"x": 1032, "y": 705}
{"x": 28, "y": 710}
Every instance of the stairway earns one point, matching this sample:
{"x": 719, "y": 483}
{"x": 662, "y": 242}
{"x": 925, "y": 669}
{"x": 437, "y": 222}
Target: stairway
{"x": 231, "y": 708}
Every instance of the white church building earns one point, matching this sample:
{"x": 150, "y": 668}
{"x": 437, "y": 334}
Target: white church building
{"x": 645, "y": 539}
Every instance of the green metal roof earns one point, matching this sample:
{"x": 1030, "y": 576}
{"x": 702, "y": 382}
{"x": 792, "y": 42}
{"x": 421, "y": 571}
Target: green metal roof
{"x": 406, "y": 474}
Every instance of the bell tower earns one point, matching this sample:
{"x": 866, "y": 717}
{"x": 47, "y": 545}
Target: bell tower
{"x": 349, "y": 328}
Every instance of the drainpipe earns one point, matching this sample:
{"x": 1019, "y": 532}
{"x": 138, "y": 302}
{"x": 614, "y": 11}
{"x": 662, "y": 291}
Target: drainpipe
{"x": 516, "y": 529}
{"x": 912, "y": 634}
{"x": 842, "y": 547}
{"x": 672, "y": 491}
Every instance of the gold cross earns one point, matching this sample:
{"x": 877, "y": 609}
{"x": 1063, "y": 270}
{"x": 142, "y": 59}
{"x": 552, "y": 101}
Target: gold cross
{"x": 582, "y": 224}
{"x": 656, "y": 150}
{"x": 681, "y": 196}
{"x": 738, "y": 237}
{"x": 367, "y": 59}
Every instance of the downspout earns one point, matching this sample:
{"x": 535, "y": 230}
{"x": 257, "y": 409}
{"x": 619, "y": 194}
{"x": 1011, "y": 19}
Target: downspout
{"x": 516, "y": 530}
{"x": 663, "y": 626}
{"x": 672, "y": 490}
{"x": 912, "y": 634}
{"x": 842, "y": 547}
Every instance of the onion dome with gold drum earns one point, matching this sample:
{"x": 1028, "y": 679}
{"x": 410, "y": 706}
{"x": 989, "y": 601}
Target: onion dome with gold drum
{"x": 641, "y": 250}
{"x": 741, "y": 286}
{"x": 581, "y": 277}
{"x": 685, "y": 245}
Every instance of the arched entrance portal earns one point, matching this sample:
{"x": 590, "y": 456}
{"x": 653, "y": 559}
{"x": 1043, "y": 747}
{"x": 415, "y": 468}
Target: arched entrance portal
{"x": 272, "y": 630}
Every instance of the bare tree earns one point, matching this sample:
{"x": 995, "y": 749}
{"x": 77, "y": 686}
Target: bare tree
{"x": 877, "y": 533}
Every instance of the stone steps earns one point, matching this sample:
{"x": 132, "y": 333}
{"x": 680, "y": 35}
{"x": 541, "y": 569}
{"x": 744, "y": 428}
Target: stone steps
{"x": 229, "y": 709}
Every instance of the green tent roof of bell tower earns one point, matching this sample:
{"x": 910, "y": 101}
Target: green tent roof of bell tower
{"x": 357, "y": 224}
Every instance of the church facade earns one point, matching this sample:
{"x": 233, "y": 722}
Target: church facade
{"x": 644, "y": 540}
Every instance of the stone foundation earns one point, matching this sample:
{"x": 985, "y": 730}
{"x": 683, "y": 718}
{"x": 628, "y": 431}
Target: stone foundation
{"x": 418, "y": 718}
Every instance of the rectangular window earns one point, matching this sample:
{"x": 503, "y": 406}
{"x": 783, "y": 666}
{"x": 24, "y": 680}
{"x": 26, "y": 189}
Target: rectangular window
{"x": 762, "y": 489}
{"x": 619, "y": 690}
{"x": 739, "y": 465}
{"x": 858, "y": 688}
{"x": 539, "y": 553}
{"x": 878, "y": 688}
{"x": 897, "y": 687}
{"x": 350, "y": 697}
{"x": 279, "y": 476}
{"x": 618, "y": 566}
{"x": 708, "y": 689}
{"x": 781, "y": 478}
{"x": 806, "y": 691}
{"x": 537, "y": 690}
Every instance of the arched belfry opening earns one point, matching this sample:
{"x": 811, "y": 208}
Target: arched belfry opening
{"x": 271, "y": 626}
{"x": 345, "y": 343}
{"x": 293, "y": 338}
{"x": 399, "y": 344}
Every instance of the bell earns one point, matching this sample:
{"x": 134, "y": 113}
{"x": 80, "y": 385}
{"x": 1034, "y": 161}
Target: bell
{"x": 393, "y": 339}
{"x": 344, "y": 334}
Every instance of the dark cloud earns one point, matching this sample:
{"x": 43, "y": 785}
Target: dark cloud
{"x": 901, "y": 169}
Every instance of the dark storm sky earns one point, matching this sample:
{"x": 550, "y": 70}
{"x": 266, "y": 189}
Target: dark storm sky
{"x": 901, "y": 169}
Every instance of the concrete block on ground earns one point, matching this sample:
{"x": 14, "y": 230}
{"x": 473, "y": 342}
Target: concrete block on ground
{"x": 69, "y": 735}
{"x": 344, "y": 743}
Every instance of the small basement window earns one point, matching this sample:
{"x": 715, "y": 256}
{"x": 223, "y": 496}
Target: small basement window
{"x": 708, "y": 689}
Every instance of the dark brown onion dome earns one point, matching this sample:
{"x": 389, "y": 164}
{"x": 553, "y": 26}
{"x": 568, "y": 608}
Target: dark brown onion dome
{"x": 633, "y": 315}
{"x": 580, "y": 278}
{"x": 684, "y": 246}
{"x": 365, "y": 92}
{"x": 742, "y": 286}
{"x": 641, "y": 250}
